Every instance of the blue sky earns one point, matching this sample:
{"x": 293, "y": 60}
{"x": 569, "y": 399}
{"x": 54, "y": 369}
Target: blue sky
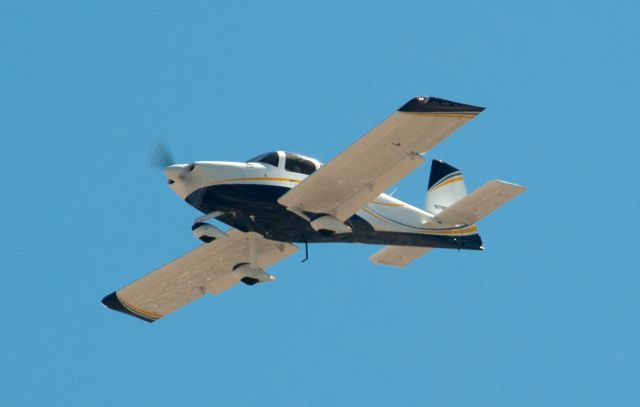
{"x": 546, "y": 315}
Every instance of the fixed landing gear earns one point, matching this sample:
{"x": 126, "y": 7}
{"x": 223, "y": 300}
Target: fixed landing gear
{"x": 328, "y": 225}
{"x": 249, "y": 280}
{"x": 251, "y": 274}
{"x": 326, "y": 232}
{"x": 207, "y": 232}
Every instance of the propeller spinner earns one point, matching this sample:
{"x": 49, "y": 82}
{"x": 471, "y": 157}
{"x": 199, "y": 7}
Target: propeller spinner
{"x": 162, "y": 159}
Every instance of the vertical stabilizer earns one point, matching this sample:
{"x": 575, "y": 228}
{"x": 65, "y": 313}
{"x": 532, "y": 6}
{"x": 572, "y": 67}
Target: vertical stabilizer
{"x": 446, "y": 186}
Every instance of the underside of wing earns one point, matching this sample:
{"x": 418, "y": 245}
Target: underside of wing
{"x": 379, "y": 159}
{"x": 398, "y": 256}
{"x": 208, "y": 268}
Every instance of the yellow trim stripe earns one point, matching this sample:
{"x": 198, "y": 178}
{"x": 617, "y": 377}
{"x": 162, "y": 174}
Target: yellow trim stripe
{"x": 449, "y": 181}
{"x": 387, "y": 204}
{"x": 136, "y": 310}
{"x": 453, "y": 232}
{"x": 258, "y": 179}
{"x": 439, "y": 232}
{"x": 375, "y": 215}
{"x": 467, "y": 116}
{"x": 468, "y": 230}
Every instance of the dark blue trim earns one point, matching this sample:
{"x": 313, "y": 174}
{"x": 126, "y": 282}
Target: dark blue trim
{"x": 440, "y": 170}
{"x": 391, "y": 220}
{"x": 426, "y": 104}
{"x": 111, "y": 301}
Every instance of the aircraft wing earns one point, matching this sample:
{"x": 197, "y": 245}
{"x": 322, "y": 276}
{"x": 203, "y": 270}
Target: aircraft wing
{"x": 207, "y": 268}
{"x": 379, "y": 159}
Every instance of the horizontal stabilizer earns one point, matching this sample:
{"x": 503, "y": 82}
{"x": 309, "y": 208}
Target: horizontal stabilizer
{"x": 398, "y": 256}
{"x": 479, "y": 203}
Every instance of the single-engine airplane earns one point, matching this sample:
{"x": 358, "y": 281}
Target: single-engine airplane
{"x": 280, "y": 198}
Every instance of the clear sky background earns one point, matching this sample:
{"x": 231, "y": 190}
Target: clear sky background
{"x": 546, "y": 315}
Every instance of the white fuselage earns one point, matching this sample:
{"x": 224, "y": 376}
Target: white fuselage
{"x": 384, "y": 214}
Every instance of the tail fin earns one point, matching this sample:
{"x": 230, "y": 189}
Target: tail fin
{"x": 446, "y": 187}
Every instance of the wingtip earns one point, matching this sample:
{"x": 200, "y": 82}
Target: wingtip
{"x": 112, "y": 301}
{"x": 519, "y": 187}
{"x": 426, "y": 104}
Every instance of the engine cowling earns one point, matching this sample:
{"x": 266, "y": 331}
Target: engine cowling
{"x": 250, "y": 274}
{"x": 206, "y": 232}
{"x": 329, "y": 225}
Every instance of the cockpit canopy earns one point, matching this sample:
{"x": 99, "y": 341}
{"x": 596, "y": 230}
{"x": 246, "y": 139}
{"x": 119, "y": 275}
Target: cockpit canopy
{"x": 266, "y": 158}
{"x": 293, "y": 162}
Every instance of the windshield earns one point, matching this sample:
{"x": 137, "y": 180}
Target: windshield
{"x": 266, "y": 158}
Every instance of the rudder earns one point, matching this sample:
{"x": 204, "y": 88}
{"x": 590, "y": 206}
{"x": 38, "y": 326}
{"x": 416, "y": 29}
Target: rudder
{"x": 446, "y": 187}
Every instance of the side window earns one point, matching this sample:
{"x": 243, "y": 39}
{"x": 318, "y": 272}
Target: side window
{"x": 269, "y": 158}
{"x": 295, "y": 163}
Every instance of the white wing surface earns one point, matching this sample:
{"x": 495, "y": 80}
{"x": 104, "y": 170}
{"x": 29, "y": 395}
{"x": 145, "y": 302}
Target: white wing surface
{"x": 208, "y": 268}
{"x": 398, "y": 256}
{"x": 379, "y": 159}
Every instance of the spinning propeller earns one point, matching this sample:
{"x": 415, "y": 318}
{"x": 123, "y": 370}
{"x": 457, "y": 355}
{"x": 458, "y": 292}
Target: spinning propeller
{"x": 161, "y": 158}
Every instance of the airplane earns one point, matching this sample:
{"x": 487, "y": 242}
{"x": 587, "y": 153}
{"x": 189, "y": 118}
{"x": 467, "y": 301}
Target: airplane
{"x": 281, "y": 198}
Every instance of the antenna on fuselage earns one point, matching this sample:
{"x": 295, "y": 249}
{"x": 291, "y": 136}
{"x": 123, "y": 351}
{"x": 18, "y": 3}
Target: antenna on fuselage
{"x": 306, "y": 249}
